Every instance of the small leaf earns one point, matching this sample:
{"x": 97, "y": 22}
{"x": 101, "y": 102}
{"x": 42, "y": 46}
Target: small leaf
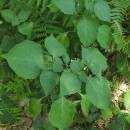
{"x": 63, "y": 39}
{"x": 48, "y": 81}
{"x": 89, "y": 5}
{"x": 55, "y": 48}
{"x": 127, "y": 100}
{"x": 62, "y": 113}
{"x": 99, "y": 90}
{"x": 104, "y": 36}
{"x": 7, "y": 43}
{"x": 69, "y": 83}
{"x": 128, "y": 118}
{"x": 26, "y": 28}
{"x": 10, "y": 16}
{"x": 67, "y": 7}
{"x": 23, "y": 15}
{"x": 122, "y": 65}
{"x": 106, "y": 114}
{"x": 66, "y": 58}
{"x": 35, "y": 106}
{"x": 26, "y": 59}
{"x": 53, "y": 7}
{"x": 87, "y": 31}
{"x": 102, "y": 10}
{"x": 85, "y": 104}
{"x": 57, "y": 65}
{"x": 95, "y": 60}
{"x": 76, "y": 66}
{"x": 82, "y": 76}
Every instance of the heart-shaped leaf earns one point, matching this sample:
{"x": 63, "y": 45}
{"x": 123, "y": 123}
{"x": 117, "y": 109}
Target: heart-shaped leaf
{"x": 26, "y": 59}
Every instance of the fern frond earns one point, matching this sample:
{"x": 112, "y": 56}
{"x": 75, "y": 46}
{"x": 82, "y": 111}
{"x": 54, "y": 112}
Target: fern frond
{"x": 118, "y": 16}
{"x": 44, "y": 29}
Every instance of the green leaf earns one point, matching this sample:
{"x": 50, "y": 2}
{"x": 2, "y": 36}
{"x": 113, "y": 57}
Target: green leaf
{"x": 35, "y": 106}
{"x": 66, "y": 58}
{"x": 48, "y": 80}
{"x": 50, "y": 127}
{"x": 87, "y": 31}
{"x": 7, "y": 43}
{"x": 1, "y": 4}
{"x": 122, "y": 65}
{"x": 82, "y": 76}
{"x": 67, "y": 7}
{"x": 53, "y": 7}
{"x": 38, "y": 124}
{"x": 69, "y": 83}
{"x": 57, "y": 65}
{"x": 104, "y": 36}
{"x": 119, "y": 123}
{"x": 102, "y": 10}
{"x": 55, "y": 48}
{"x": 99, "y": 90}
{"x": 23, "y": 15}
{"x": 25, "y": 59}
{"x": 63, "y": 39}
{"x": 95, "y": 68}
{"x": 89, "y": 5}
{"x": 62, "y": 113}
{"x": 85, "y": 104}
{"x": 128, "y": 118}
{"x": 106, "y": 114}
{"x": 95, "y": 60}
{"x": 26, "y": 28}
{"x": 127, "y": 100}
{"x": 10, "y": 16}
{"x": 76, "y": 66}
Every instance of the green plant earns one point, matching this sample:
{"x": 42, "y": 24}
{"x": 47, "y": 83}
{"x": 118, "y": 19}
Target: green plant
{"x": 63, "y": 51}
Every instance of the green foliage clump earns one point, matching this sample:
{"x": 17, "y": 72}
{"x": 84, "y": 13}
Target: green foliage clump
{"x": 63, "y": 59}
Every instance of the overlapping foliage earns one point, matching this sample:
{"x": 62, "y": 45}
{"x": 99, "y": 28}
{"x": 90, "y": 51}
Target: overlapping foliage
{"x": 59, "y": 54}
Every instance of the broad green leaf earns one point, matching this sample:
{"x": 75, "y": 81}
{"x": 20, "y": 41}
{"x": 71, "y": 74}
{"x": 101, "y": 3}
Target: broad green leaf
{"x": 67, "y": 7}
{"x": 48, "y": 80}
{"x": 106, "y": 114}
{"x": 102, "y": 10}
{"x": 104, "y": 36}
{"x": 55, "y": 48}
{"x": 25, "y": 59}
{"x": 63, "y": 39}
{"x": 57, "y": 65}
{"x": 98, "y": 92}
{"x": 85, "y": 104}
{"x": 128, "y": 118}
{"x": 62, "y": 113}
{"x": 35, "y": 106}
{"x": 127, "y": 100}
{"x": 69, "y": 83}
{"x": 95, "y": 60}
{"x": 10, "y": 16}
{"x": 87, "y": 31}
{"x": 26, "y": 28}
{"x": 122, "y": 65}
{"x": 76, "y": 66}
{"x": 23, "y": 15}
{"x": 7, "y": 43}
